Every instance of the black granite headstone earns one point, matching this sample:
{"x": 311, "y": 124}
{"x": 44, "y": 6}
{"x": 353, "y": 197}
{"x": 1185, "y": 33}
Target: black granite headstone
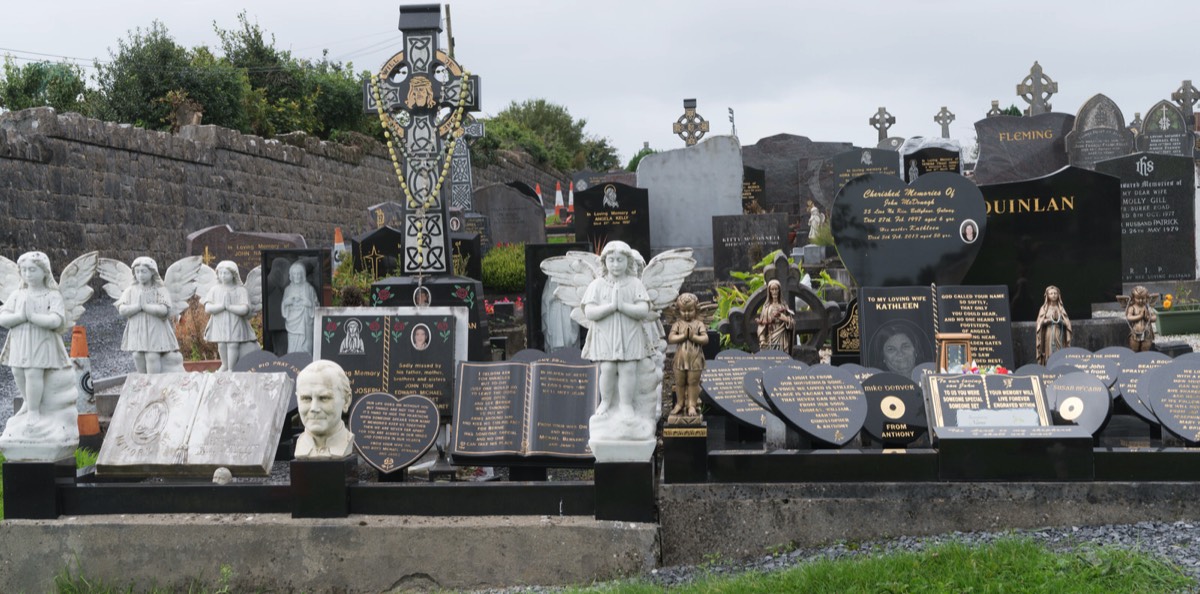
{"x": 754, "y": 183}
{"x": 1014, "y": 148}
{"x": 823, "y": 402}
{"x": 790, "y": 162}
{"x": 261, "y": 361}
{"x": 741, "y": 241}
{"x": 1062, "y": 230}
{"x": 896, "y": 324}
{"x": 404, "y": 350}
{"x": 1104, "y": 367}
{"x": 1132, "y": 373}
{"x": 982, "y": 312}
{"x": 467, "y": 255}
{"x": 891, "y": 234}
{"x": 930, "y": 160}
{"x": 276, "y": 276}
{"x": 722, "y": 385}
{"x": 611, "y": 212}
{"x": 1158, "y": 216}
{"x": 895, "y": 409}
{"x": 850, "y": 164}
{"x": 1173, "y": 393}
{"x": 450, "y": 291}
{"x": 1080, "y": 399}
{"x": 386, "y": 214}
{"x": 847, "y": 339}
{"x": 391, "y": 433}
{"x": 987, "y": 401}
{"x": 221, "y": 242}
{"x": 539, "y": 300}
{"x": 1165, "y": 132}
{"x": 1099, "y": 134}
{"x": 379, "y": 252}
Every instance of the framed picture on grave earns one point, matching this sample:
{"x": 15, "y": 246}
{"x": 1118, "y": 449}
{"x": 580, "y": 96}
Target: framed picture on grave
{"x": 288, "y": 306}
{"x": 954, "y": 351}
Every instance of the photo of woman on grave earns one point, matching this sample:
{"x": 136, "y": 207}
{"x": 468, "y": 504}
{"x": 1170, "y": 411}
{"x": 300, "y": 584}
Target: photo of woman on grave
{"x": 421, "y": 297}
{"x": 420, "y": 337}
{"x": 898, "y": 347}
{"x": 969, "y": 231}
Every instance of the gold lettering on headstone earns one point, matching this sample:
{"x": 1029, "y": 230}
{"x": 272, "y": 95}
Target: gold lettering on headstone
{"x": 1018, "y": 205}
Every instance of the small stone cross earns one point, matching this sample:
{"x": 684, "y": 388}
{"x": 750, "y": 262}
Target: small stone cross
{"x": 1186, "y": 97}
{"x": 995, "y": 110}
{"x": 1036, "y": 90}
{"x": 943, "y": 118}
{"x": 882, "y": 120}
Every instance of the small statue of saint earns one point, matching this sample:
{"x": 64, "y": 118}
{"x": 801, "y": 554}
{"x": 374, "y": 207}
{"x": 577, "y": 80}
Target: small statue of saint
{"x": 691, "y": 336}
{"x": 775, "y": 320}
{"x": 1140, "y": 316}
{"x": 1053, "y": 327}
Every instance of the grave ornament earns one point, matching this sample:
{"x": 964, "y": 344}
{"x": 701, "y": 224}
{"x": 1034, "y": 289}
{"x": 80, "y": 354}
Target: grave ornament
{"x": 1187, "y": 96}
{"x": 298, "y": 307}
{"x": 1053, "y": 327}
{"x": 943, "y": 118}
{"x": 775, "y": 320}
{"x": 619, "y": 304}
{"x": 1141, "y": 317}
{"x": 323, "y": 394}
{"x": 881, "y": 121}
{"x": 690, "y": 126}
{"x": 37, "y": 311}
{"x": 1036, "y": 90}
{"x": 230, "y": 304}
{"x": 691, "y": 335}
{"x": 151, "y": 305}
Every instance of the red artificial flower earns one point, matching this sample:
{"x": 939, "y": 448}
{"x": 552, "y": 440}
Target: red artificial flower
{"x": 375, "y": 326}
{"x": 385, "y": 294}
{"x": 398, "y": 327}
{"x": 331, "y": 326}
{"x": 461, "y": 293}
{"x": 442, "y": 326}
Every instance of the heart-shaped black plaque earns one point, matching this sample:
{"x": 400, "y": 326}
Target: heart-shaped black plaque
{"x": 823, "y": 402}
{"x": 1173, "y": 393}
{"x": 723, "y": 384}
{"x": 895, "y": 409}
{"x": 391, "y": 433}
{"x": 891, "y": 234}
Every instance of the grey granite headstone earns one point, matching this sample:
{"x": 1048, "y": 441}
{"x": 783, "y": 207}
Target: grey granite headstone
{"x": 1015, "y": 148}
{"x": 1099, "y": 135}
{"x": 1158, "y": 216}
{"x": 190, "y": 424}
{"x": 1165, "y": 132}
{"x": 512, "y": 216}
{"x": 687, "y": 188}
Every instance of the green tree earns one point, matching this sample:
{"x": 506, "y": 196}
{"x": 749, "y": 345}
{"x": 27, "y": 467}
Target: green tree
{"x": 551, "y": 135}
{"x": 1012, "y": 110}
{"x": 633, "y": 163}
{"x": 38, "y": 84}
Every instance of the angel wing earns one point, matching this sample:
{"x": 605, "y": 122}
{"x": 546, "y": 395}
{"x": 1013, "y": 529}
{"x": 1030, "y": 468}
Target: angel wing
{"x": 206, "y": 279}
{"x": 665, "y": 274}
{"x": 181, "y": 282}
{"x": 10, "y": 278}
{"x": 74, "y": 285}
{"x": 117, "y": 276}
{"x": 573, "y": 273}
{"x": 254, "y": 289}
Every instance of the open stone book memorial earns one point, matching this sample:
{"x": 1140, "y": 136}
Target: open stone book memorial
{"x": 732, "y": 349}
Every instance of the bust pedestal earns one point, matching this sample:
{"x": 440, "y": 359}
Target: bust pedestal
{"x": 30, "y": 488}
{"x": 319, "y": 487}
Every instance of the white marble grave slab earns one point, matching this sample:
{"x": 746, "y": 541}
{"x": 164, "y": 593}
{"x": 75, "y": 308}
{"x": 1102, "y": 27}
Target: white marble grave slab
{"x": 190, "y": 424}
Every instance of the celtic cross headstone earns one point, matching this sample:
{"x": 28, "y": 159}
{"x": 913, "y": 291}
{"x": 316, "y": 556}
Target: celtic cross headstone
{"x": 1187, "y": 96}
{"x": 422, "y": 94}
{"x": 943, "y": 119}
{"x": 461, "y": 184}
{"x": 1036, "y": 90}
{"x": 690, "y": 126}
{"x": 881, "y": 121}
{"x": 995, "y": 110}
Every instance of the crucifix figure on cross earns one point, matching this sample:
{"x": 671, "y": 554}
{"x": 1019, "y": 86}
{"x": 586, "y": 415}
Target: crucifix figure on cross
{"x": 1187, "y": 96}
{"x": 421, "y": 96}
{"x": 943, "y": 118}
{"x": 1036, "y": 90}
{"x": 882, "y": 120}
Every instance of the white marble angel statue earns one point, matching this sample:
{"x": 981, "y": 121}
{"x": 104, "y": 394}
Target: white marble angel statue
{"x": 619, "y": 304}
{"x": 230, "y": 305}
{"x": 37, "y": 311}
{"x": 151, "y": 305}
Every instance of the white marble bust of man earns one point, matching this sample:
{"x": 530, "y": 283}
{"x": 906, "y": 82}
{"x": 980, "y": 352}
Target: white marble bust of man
{"x": 323, "y": 395}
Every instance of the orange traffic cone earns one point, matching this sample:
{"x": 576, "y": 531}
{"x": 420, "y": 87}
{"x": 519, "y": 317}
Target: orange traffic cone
{"x": 88, "y": 419}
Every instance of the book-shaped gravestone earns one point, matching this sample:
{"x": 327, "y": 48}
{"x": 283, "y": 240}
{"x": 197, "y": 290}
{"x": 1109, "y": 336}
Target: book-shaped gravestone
{"x": 525, "y": 410}
{"x": 391, "y": 433}
{"x": 1173, "y": 394}
{"x": 1080, "y": 399}
{"x": 825, "y": 403}
{"x": 401, "y": 350}
{"x": 723, "y": 386}
{"x": 1133, "y": 370}
{"x": 261, "y": 361}
{"x": 895, "y": 409}
{"x": 190, "y": 424}
{"x": 986, "y": 401}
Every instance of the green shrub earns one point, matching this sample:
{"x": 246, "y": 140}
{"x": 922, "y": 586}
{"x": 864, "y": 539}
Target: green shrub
{"x": 504, "y": 269}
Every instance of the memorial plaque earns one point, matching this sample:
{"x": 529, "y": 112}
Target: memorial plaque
{"x": 451, "y": 291}
{"x": 391, "y": 433}
{"x": 982, "y": 312}
{"x": 1047, "y": 375}
{"x": 512, "y": 216}
{"x": 1158, "y": 216}
{"x": 611, "y": 212}
{"x": 741, "y": 241}
{"x": 542, "y": 311}
{"x": 722, "y": 385}
{"x": 1165, "y": 132}
{"x": 1014, "y": 148}
{"x": 1132, "y": 372}
{"x": 987, "y": 401}
{"x": 386, "y": 214}
{"x": 221, "y": 242}
{"x": 406, "y": 350}
{"x": 525, "y": 409}
{"x": 1104, "y": 367}
{"x": 1173, "y": 393}
{"x": 477, "y": 224}
{"x": 895, "y": 409}
{"x": 754, "y": 182}
{"x": 190, "y": 424}
{"x": 276, "y": 276}
{"x": 890, "y": 234}
{"x": 823, "y": 402}
{"x": 1062, "y": 230}
{"x": 1080, "y": 399}
{"x": 466, "y": 255}
{"x": 1099, "y": 134}
{"x": 931, "y": 160}
{"x": 853, "y": 163}
{"x": 897, "y": 325}
{"x": 379, "y": 252}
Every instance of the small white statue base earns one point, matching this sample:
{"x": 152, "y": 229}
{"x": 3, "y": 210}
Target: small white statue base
{"x": 49, "y": 435}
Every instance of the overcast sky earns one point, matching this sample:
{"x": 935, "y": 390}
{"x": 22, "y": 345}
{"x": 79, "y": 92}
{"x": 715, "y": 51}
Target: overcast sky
{"x": 810, "y": 68}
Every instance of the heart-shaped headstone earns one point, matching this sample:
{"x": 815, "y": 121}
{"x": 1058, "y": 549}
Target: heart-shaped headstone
{"x": 391, "y": 433}
{"x": 723, "y": 383}
{"x": 1133, "y": 369}
{"x": 891, "y": 234}
{"x": 823, "y": 402}
{"x": 1173, "y": 393}
{"x": 895, "y": 409}
{"x": 1080, "y": 399}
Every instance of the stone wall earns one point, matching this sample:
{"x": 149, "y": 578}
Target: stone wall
{"x": 69, "y": 184}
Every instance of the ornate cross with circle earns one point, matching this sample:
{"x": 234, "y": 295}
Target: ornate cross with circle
{"x": 1036, "y": 90}
{"x": 882, "y": 120}
{"x": 1187, "y": 96}
{"x": 690, "y": 126}
{"x": 943, "y": 118}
